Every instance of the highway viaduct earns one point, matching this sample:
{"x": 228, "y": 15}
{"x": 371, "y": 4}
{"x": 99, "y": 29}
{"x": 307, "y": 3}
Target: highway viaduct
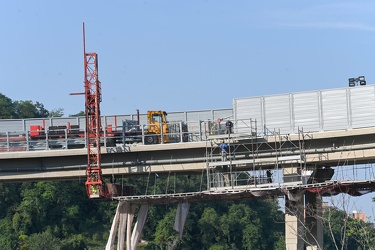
{"x": 330, "y": 148}
{"x": 289, "y": 153}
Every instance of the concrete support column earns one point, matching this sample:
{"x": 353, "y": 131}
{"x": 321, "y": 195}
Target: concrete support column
{"x": 294, "y": 216}
{"x": 112, "y": 234}
{"x": 181, "y": 216}
{"x": 130, "y": 218}
{"x": 314, "y": 225}
{"x": 122, "y": 224}
{"x": 138, "y": 227}
{"x": 294, "y": 230}
{"x": 119, "y": 220}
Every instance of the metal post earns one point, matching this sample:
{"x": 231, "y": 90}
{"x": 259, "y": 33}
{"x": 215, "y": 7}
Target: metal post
{"x": 230, "y": 161}
{"x": 24, "y": 124}
{"x": 27, "y": 140}
{"x": 105, "y": 131}
{"x": 8, "y": 143}
{"x": 66, "y": 138}
{"x": 181, "y": 133}
{"x": 143, "y": 134}
{"x": 208, "y": 175}
{"x": 123, "y": 134}
{"x": 161, "y": 133}
{"x": 200, "y": 130}
{"x": 46, "y": 138}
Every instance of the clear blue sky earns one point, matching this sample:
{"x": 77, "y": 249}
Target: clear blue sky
{"x": 182, "y": 55}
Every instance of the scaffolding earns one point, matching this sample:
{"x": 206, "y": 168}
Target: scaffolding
{"x": 224, "y": 167}
{"x": 257, "y": 165}
{"x": 254, "y": 160}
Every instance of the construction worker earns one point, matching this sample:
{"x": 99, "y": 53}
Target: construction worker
{"x": 224, "y": 147}
{"x": 269, "y": 176}
{"x": 228, "y": 126}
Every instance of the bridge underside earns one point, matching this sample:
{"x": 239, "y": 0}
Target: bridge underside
{"x": 331, "y": 188}
{"x": 65, "y": 168}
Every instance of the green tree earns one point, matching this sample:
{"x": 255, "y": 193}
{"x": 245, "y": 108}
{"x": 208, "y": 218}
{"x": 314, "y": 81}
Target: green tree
{"x": 220, "y": 225}
{"x": 280, "y": 243}
{"x": 362, "y": 232}
{"x": 27, "y": 109}
{"x": 335, "y": 224}
{"x": 209, "y": 226}
{"x": 6, "y": 108}
{"x": 165, "y": 236}
{"x": 43, "y": 241}
{"x": 56, "y": 112}
{"x": 252, "y": 237}
{"x": 8, "y": 240}
{"x": 81, "y": 113}
{"x": 75, "y": 242}
{"x": 62, "y": 209}
{"x": 21, "y": 109}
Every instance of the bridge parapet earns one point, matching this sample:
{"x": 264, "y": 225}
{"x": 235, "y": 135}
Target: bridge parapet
{"x": 72, "y": 137}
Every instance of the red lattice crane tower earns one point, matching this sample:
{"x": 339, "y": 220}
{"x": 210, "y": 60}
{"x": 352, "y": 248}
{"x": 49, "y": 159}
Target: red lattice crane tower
{"x": 95, "y": 185}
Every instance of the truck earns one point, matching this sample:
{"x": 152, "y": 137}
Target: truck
{"x": 157, "y": 130}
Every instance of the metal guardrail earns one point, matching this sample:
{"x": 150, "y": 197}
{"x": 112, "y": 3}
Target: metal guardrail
{"x": 112, "y": 120}
{"x": 69, "y": 138}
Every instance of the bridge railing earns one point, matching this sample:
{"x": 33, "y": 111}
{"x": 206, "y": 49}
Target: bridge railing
{"x": 73, "y": 136}
{"x": 13, "y": 141}
{"x": 228, "y": 180}
{"x": 113, "y": 120}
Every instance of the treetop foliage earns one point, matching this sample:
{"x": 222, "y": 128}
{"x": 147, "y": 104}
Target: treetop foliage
{"x": 25, "y": 109}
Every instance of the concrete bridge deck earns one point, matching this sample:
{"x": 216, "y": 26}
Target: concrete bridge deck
{"x": 332, "y": 148}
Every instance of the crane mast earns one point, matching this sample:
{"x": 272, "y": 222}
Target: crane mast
{"x": 95, "y": 185}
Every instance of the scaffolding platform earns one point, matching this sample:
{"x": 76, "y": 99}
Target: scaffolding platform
{"x": 234, "y": 136}
{"x": 354, "y": 188}
{"x": 286, "y": 159}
